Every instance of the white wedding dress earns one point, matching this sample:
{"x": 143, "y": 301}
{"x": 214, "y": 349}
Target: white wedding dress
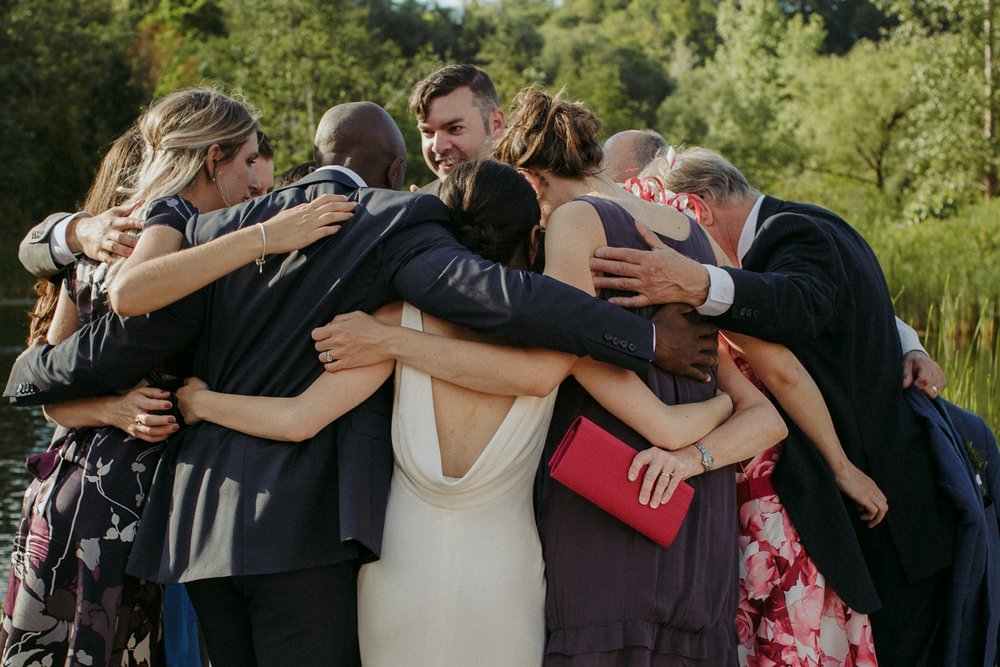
{"x": 461, "y": 579}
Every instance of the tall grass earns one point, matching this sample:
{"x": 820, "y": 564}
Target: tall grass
{"x": 944, "y": 266}
{"x": 970, "y": 359}
{"x": 945, "y": 277}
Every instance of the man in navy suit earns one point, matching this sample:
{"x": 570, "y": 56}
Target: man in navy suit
{"x": 809, "y": 281}
{"x": 267, "y": 535}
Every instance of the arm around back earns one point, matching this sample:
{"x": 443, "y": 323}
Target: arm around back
{"x": 34, "y": 251}
{"x": 441, "y": 277}
{"x": 105, "y": 355}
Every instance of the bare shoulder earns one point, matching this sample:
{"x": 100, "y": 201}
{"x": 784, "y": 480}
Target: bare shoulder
{"x": 663, "y": 220}
{"x": 575, "y": 214}
{"x": 574, "y": 227}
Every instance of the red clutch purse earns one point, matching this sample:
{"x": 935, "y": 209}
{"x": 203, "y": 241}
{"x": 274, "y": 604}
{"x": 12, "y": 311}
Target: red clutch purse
{"x": 595, "y": 464}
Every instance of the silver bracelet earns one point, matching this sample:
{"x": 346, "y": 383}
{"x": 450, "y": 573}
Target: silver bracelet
{"x": 263, "y": 251}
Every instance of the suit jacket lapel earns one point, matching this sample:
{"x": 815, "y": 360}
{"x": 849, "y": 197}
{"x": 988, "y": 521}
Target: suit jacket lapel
{"x": 770, "y": 206}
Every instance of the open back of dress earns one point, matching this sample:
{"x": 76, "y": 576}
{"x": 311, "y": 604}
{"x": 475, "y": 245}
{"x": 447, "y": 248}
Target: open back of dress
{"x": 461, "y": 580}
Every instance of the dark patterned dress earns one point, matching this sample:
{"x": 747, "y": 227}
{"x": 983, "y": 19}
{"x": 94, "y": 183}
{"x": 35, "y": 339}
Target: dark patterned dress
{"x": 615, "y": 598}
{"x": 69, "y": 601}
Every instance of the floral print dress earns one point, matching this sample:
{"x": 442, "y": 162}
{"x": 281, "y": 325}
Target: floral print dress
{"x": 69, "y": 602}
{"x": 788, "y": 616}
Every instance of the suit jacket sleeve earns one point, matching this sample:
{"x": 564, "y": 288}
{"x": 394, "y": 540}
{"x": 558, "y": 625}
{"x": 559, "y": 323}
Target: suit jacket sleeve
{"x": 440, "y": 276}
{"x": 787, "y": 291}
{"x": 34, "y": 251}
{"x": 105, "y": 355}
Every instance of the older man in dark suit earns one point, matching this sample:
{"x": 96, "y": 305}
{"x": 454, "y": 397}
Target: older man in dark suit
{"x": 809, "y": 281}
{"x": 269, "y": 535}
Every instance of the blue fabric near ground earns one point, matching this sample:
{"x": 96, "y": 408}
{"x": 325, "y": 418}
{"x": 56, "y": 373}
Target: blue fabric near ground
{"x": 180, "y": 628}
{"x": 972, "y": 620}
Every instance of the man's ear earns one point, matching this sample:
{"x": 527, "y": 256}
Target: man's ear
{"x": 497, "y": 124}
{"x": 396, "y": 173}
{"x": 702, "y": 211}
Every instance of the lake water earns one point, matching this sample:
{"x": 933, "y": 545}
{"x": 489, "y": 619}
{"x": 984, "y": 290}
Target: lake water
{"x": 23, "y": 431}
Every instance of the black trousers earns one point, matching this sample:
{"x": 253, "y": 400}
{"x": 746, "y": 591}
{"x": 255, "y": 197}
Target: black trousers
{"x": 908, "y": 629}
{"x": 303, "y": 617}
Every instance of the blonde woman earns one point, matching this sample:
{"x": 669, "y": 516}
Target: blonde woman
{"x": 201, "y": 146}
{"x": 70, "y": 598}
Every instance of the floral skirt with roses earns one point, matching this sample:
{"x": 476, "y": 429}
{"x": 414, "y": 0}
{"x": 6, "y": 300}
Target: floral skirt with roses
{"x": 69, "y": 601}
{"x": 788, "y": 616}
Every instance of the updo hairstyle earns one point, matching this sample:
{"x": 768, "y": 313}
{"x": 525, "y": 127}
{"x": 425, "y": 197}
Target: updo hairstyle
{"x": 492, "y": 207}
{"x": 549, "y": 133}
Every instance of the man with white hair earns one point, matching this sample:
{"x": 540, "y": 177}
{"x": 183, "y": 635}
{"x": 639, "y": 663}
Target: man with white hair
{"x": 810, "y": 281}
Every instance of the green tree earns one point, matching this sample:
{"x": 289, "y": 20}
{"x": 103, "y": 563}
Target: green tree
{"x": 293, "y": 59}
{"x": 854, "y": 112}
{"x": 67, "y": 92}
{"x": 846, "y": 21}
{"x": 605, "y": 53}
{"x": 739, "y": 102}
{"x": 952, "y": 144}
{"x": 507, "y": 41}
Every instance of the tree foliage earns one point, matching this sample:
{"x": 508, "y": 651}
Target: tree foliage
{"x": 887, "y": 102}
{"x": 951, "y": 145}
{"x": 67, "y": 89}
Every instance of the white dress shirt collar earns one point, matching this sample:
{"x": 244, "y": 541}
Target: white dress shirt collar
{"x": 749, "y": 232}
{"x": 353, "y": 175}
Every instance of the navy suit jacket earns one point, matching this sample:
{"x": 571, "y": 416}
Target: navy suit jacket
{"x": 811, "y": 282}
{"x": 224, "y": 503}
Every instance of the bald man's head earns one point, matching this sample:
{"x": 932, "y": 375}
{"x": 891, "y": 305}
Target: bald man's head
{"x": 626, "y": 153}
{"x": 364, "y": 138}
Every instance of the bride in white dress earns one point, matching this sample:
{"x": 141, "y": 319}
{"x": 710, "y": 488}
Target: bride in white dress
{"x": 461, "y": 579}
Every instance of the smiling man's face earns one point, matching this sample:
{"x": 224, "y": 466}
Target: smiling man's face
{"x": 456, "y": 131}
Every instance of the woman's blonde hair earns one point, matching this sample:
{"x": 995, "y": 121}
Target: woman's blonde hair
{"x": 547, "y": 132}
{"x": 178, "y": 131}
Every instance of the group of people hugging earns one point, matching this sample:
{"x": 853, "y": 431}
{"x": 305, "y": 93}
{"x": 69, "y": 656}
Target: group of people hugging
{"x": 319, "y": 414}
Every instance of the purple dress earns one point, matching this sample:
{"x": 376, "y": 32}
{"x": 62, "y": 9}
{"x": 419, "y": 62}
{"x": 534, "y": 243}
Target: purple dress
{"x": 615, "y": 597}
